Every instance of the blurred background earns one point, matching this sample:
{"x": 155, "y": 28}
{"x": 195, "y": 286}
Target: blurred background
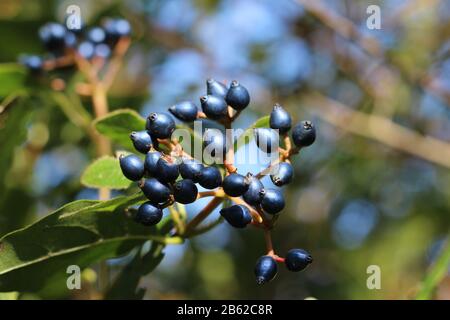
{"x": 373, "y": 190}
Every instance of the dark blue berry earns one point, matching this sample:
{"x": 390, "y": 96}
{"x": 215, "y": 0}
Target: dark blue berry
{"x": 254, "y": 194}
{"x": 304, "y": 134}
{"x": 167, "y": 170}
{"x": 155, "y": 191}
{"x": 32, "y": 63}
{"x": 216, "y": 88}
{"x": 70, "y": 39}
{"x": 96, "y": 35}
{"x": 142, "y": 141}
{"x": 237, "y": 96}
{"x": 210, "y": 178}
{"x": 132, "y": 167}
{"x": 185, "y": 191}
{"x": 102, "y": 51}
{"x": 191, "y": 169}
{"x": 235, "y": 185}
{"x": 151, "y": 161}
{"x": 283, "y": 174}
{"x": 214, "y": 107}
{"x": 266, "y": 139}
{"x": 297, "y": 260}
{"x": 238, "y": 216}
{"x": 272, "y": 201}
{"x": 115, "y": 29}
{"x": 215, "y": 143}
{"x": 52, "y": 35}
{"x": 148, "y": 214}
{"x": 160, "y": 125}
{"x": 280, "y": 119}
{"x": 266, "y": 269}
{"x": 185, "y": 111}
{"x": 86, "y": 50}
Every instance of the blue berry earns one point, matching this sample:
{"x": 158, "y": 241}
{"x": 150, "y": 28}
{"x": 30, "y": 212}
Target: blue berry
{"x": 32, "y": 63}
{"x": 115, "y": 29}
{"x": 280, "y": 119}
{"x": 237, "y": 96}
{"x": 155, "y": 191}
{"x": 102, "y": 50}
{"x": 266, "y": 269}
{"x": 216, "y": 88}
{"x": 132, "y": 167}
{"x": 272, "y": 201}
{"x": 254, "y": 194}
{"x": 142, "y": 141}
{"x": 214, "y": 107}
{"x": 160, "y": 125}
{"x": 191, "y": 169}
{"x": 148, "y": 214}
{"x": 86, "y": 50}
{"x": 52, "y": 35}
{"x": 210, "y": 178}
{"x": 96, "y": 35}
{"x": 297, "y": 260}
{"x": 215, "y": 143}
{"x": 151, "y": 161}
{"x": 283, "y": 174}
{"x": 70, "y": 39}
{"x": 185, "y": 191}
{"x": 235, "y": 185}
{"x": 304, "y": 134}
{"x": 238, "y": 216}
{"x": 167, "y": 170}
{"x": 266, "y": 139}
{"x": 185, "y": 111}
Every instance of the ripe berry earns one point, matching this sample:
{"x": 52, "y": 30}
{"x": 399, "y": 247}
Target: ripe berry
{"x": 151, "y": 161}
{"x": 214, "y": 107}
{"x": 237, "y": 96}
{"x": 148, "y": 214}
{"x": 115, "y": 29}
{"x": 141, "y": 141}
{"x": 210, "y": 178}
{"x": 185, "y": 191}
{"x": 155, "y": 191}
{"x": 185, "y": 111}
{"x": 297, "y": 260}
{"x": 96, "y": 35}
{"x": 280, "y": 119}
{"x": 70, "y": 39}
{"x": 52, "y": 35}
{"x": 235, "y": 185}
{"x": 304, "y": 134}
{"x": 254, "y": 194}
{"x": 86, "y": 50}
{"x": 167, "y": 170}
{"x": 102, "y": 51}
{"x": 238, "y": 215}
{"x": 191, "y": 169}
{"x": 32, "y": 63}
{"x": 272, "y": 201}
{"x": 132, "y": 167}
{"x": 160, "y": 125}
{"x": 216, "y": 88}
{"x": 266, "y": 139}
{"x": 215, "y": 143}
{"x": 266, "y": 269}
{"x": 283, "y": 174}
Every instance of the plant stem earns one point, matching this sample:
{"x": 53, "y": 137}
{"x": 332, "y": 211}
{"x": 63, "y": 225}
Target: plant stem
{"x": 177, "y": 219}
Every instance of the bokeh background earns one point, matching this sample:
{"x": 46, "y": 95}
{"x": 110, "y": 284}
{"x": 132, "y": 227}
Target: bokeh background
{"x": 373, "y": 190}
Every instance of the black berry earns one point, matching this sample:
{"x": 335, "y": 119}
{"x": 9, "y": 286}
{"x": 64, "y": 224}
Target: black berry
{"x": 155, "y": 191}
{"x": 142, "y": 141}
{"x": 160, "y": 125}
{"x": 237, "y": 96}
{"x": 272, "y": 201}
{"x": 254, "y": 194}
{"x": 148, "y": 214}
{"x": 32, "y": 63}
{"x": 151, "y": 161}
{"x": 235, "y": 185}
{"x": 280, "y": 119}
{"x": 214, "y": 107}
{"x": 215, "y": 143}
{"x": 238, "y": 216}
{"x": 52, "y": 36}
{"x": 297, "y": 260}
{"x": 185, "y": 111}
{"x": 210, "y": 178}
{"x": 266, "y": 269}
{"x": 191, "y": 169}
{"x": 185, "y": 191}
{"x": 132, "y": 167}
{"x": 283, "y": 174}
{"x": 216, "y": 88}
{"x": 167, "y": 170}
{"x": 304, "y": 134}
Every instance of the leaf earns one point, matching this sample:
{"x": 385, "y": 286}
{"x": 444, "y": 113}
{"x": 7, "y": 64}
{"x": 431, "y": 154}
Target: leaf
{"x": 118, "y": 125}
{"x": 247, "y": 136}
{"x": 12, "y": 78}
{"x": 436, "y": 274}
{"x": 80, "y": 233}
{"x": 105, "y": 172}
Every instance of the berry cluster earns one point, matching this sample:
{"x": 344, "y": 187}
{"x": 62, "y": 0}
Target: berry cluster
{"x": 159, "y": 173}
{"x": 63, "y": 46}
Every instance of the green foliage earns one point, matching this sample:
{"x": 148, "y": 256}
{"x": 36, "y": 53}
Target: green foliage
{"x": 118, "y": 124}
{"x": 12, "y": 78}
{"x": 81, "y": 233}
{"x": 105, "y": 172}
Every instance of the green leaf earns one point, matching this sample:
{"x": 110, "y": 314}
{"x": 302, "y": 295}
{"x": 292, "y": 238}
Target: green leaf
{"x": 247, "y": 136}
{"x": 12, "y": 78}
{"x": 105, "y": 172}
{"x": 436, "y": 274}
{"x": 80, "y": 233}
{"x": 118, "y": 125}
